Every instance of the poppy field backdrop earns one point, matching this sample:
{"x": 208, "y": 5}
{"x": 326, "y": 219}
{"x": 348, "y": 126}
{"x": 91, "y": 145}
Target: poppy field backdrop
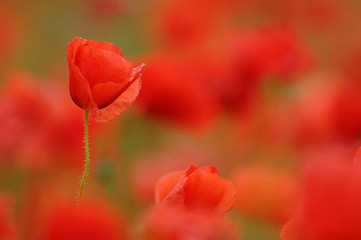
{"x": 247, "y": 125}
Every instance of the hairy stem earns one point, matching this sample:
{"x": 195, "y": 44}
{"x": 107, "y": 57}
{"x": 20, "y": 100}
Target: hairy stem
{"x": 86, "y": 138}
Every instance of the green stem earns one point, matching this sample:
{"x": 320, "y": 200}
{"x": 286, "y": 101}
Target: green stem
{"x": 86, "y": 156}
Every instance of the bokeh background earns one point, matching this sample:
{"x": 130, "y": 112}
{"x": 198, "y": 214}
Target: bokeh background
{"x": 260, "y": 89}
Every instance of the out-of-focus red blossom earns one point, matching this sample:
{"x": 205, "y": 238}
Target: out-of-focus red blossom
{"x": 41, "y": 197}
{"x": 347, "y": 104}
{"x": 38, "y": 124}
{"x": 196, "y": 189}
{"x": 172, "y": 92}
{"x": 240, "y": 89}
{"x": 8, "y": 230}
{"x": 275, "y": 51}
{"x": 176, "y": 224}
{"x": 328, "y": 114}
{"x": 330, "y": 206}
{"x": 86, "y": 221}
{"x": 347, "y": 112}
{"x": 265, "y": 194}
{"x": 246, "y": 58}
{"x": 232, "y": 85}
{"x": 143, "y": 181}
{"x": 21, "y": 109}
{"x": 101, "y": 80}
{"x": 181, "y": 23}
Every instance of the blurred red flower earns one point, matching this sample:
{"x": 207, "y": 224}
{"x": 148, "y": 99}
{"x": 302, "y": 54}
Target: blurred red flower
{"x": 265, "y": 194}
{"x": 172, "y": 92}
{"x": 196, "y": 189}
{"x": 273, "y": 51}
{"x": 87, "y": 221}
{"x": 347, "y": 111}
{"x": 143, "y": 181}
{"x": 181, "y": 22}
{"x": 23, "y": 110}
{"x": 328, "y": 109}
{"x": 232, "y": 85}
{"x": 176, "y": 224}
{"x": 330, "y": 207}
{"x": 235, "y": 71}
{"x": 39, "y": 125}
{"x": 101, "y": 80}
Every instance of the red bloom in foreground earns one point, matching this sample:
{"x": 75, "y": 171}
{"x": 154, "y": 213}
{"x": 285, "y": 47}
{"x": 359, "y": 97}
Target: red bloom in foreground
{"x": 143, "y": 181}
{"x": 330, "y": 208}
{"x": 91, "y": 221}
{"x": 38, "y": 126}
{"x": 196, "y": 189}
{"x": 101, "y": 80}
{"x": 176, "y": 224}
{"x": 174, "y": 93}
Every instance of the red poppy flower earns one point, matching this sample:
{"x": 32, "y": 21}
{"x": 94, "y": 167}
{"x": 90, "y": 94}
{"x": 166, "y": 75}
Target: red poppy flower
{"x": 176, "y": 224}
{"x": 143, "y": 182}
{"x": 38, "y": 126}
{"x": 196, "y": 189}
{"x": 101, "y": 80}
{"x": 330, "y": 208}
{"x": 274, "y": 51}
{"x": 88, "y": 221}
{"x": 173, "y": 93}
{"x": 346, "y": 112}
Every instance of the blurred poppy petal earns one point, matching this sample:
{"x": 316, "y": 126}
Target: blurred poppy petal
{"x": 119, "y": 105}
{"x": 166, "y": 184}
{"x": 198, "y": 189}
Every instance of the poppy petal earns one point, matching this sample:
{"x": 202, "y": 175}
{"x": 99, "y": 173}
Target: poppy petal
{"x": 101, "y": 66}
{"x": 112, "y": 89}
{"x": 79, "y": 87}
{"x": 165, "y": 185}
{"x": 288, "y": 231}
{"x": 119, "y": 105}
{"x": 73, "y": 46}
{"x": 105, "y": 46}
{"x": 207, "y": 190}
{"x": 196, "y": 189}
